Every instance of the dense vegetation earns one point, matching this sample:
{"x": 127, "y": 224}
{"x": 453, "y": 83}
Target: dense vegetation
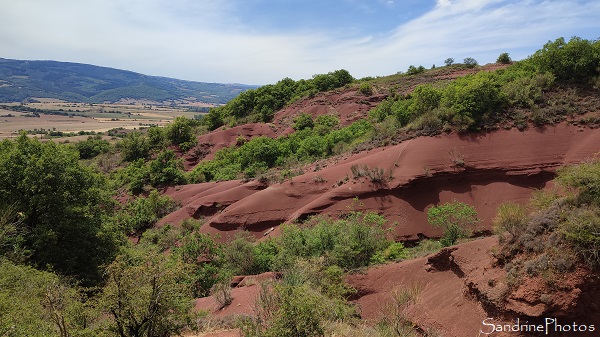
{"x": 313, "y": 140}
{"x": 555, "y": 233}
{"x": 76, "y": 82}
{"x": 485, "y": 99}
{"x": 68, "y": 269}
{"x": 261, "y": 104}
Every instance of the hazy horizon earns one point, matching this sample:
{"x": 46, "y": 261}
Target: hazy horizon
{"x": 260, "y": 42}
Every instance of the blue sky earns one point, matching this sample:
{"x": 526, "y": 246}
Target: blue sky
{"x": 259, "y": 41}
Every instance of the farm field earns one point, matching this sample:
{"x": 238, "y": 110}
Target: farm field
{"x": 70, "y": 117}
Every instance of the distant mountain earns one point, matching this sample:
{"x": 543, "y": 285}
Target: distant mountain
{"x": 21, "y": 80}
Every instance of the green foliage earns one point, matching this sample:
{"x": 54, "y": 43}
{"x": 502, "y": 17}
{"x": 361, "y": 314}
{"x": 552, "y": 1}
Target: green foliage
{"x": 21, "y": 292}
{"x": 511, "y": 218}
{"x": 424, "y": 98}
{"x": 146, "y": 294}
{"x": 135, "y": 146}
{"x": 348, "y": 243}
{"x": 393, "y": 252}
{"x": 449, "y": 61}
{"x": 412, "y": 70}
{"x": 63, "y": 206}
{"x": 582, "y": 230}
{"x": 504, "y": 58}
{"x": 204, "y": 257}
{"x": 92, "y": 147}
{"x": 143, "y": 212}
{"x": 470, "y": 62}
{"x": 585, "y": 178}
{"x": 366, "y": 89}
{"x": 455, "y": 218}
{"x": 259, "y": 105}
{"x": 36, "y": 303}
{"x": 527, "y": 90}
{"x": 573, "y": 61}
{"x": 12, "y": 238}
{"x": 310, "y": 296}
{"x": 181, "y": 132}
{"x": 473, "y": 99}
{"x": 303, "y": 121}
{"x": 166, "y": 169}
{"x": 261, "y": 153}
{"x": 157, "y": 136}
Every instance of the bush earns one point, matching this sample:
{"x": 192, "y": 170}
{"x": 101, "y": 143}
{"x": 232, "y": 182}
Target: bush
{"x": 135, "y": 146}
{"x": 511, "y": 218}
{"x": 366, "y": 89}
{"x": 573, "y": 61}
{"x": 585, "y": 178}
{"x": 92, "y": 147}
{"x": 473, "y": 99}
{"x": 449, "y": 61}
{"x": 143, "y": 212}
{"x": 145, "y": 294}
{"x": 412, "y": 70}
{"x": 348, "y": 243}
{"x": 181, "y": 132}
{"x": 582, "y": 230}
{"x": 303, "y": 121}
{"x": 62, "y": 204}
{"x": 503, "y": 58}
{"x": 455, "y": 218}
{"x": 166, "y": 169}
{"x": 470, "y": 62}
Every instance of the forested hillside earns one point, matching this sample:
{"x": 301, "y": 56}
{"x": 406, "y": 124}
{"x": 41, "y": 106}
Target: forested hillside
{"x": 75, "y": 82}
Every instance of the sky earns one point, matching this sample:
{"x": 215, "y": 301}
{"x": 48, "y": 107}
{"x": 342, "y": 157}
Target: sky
{"x": 261, "y": 42}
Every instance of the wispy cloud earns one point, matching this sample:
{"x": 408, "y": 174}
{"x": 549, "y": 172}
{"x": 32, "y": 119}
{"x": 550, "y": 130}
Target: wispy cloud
{"x": 211, "y": 40}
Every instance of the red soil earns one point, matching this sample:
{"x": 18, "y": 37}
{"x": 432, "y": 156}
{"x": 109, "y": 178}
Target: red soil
{"x": 459, "y": 287}
{"x": 483, "y": 170}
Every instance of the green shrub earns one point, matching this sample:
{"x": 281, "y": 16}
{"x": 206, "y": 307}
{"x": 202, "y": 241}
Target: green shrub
{"x": 412, "y": 70}
{"x": 135, "y": 146}
{"x": 449, "y": 61}
{"x": 260, "y": 105}
{"x": 303, "y": 121}
{"x": 143, "y": 212}
{"x": 92, "y": 147}
{"x": 145, "y": 294}
{"x": 573, "y": 61}
{"x": 470, "y": 62}
{"x": 166, "y": 169}
{"x": 511, "y": 218}
{"x": 473, "y": 99}
{"x": 62, "y": 204}
{"x": 348, "y": 243}
{"x": 204, "y": 256}
{"x": 455, "y": 218}
{"x": 582, "y": 230}
{"x": 504, "y": 58}
{"x": 366, "y": 89}
{"x": 585, "y": 178}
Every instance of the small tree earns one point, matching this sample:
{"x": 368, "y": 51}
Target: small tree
{"x": 470, "y": 62}
{"x": 146, "y": 295}
{"x": 455, "y": 218}
{"x": 449, "y": 61}
{"x": 504, "y": 58}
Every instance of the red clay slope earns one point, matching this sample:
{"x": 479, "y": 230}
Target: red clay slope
{"x": 483, "y": 170}
{"x": 450, "y": 303}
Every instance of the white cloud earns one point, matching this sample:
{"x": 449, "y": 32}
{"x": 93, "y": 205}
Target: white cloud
{"x": 205, "y": 41}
